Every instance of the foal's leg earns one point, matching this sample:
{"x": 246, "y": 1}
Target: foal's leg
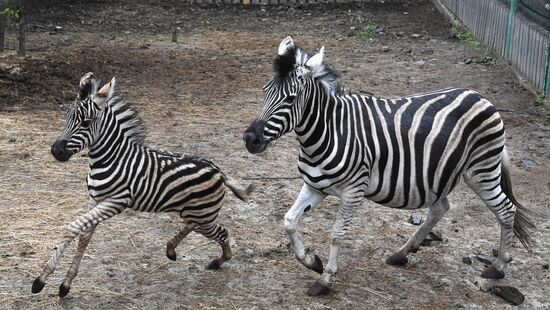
{"x": 435, "y": 213}
{"x": 83, "y": 240}
{"x": 173, "y": 243}
{"x": 307, "y": 199}
{"x": 220, "y": 234}
{"x": 85, "y": 222}
{"x": 339, "y": 229}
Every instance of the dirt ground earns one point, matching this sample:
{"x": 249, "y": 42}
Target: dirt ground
{"x": 197, "y": 96}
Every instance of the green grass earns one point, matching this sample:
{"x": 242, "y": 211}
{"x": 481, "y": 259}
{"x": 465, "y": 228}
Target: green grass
{"x": 538, "y": 100}
{"x": 469, "y": 39}
{"x": 369, "y": 31}
{"x": 546, "y": 115}
{"x": 465, "y": 36}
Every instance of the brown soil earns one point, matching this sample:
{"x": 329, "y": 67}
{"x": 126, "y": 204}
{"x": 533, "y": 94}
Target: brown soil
{"x": 197, "y": 96}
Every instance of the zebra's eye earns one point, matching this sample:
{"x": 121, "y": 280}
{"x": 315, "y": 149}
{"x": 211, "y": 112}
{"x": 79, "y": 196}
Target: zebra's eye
{"x": 290, "y": 99}
{"x": 85, "y": 123}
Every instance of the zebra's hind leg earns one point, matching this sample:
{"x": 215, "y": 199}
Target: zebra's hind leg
{"x": 220, "y": 234}
{"x": 173, "y": 243}
{"x": 83, "y": 240}
{"x": 435, "y": 213}
{"x": 490, "y": 191}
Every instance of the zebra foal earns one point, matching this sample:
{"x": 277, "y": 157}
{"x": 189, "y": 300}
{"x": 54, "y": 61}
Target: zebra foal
{"x": 407, "y": 152}
{"x": 124, "y": 173}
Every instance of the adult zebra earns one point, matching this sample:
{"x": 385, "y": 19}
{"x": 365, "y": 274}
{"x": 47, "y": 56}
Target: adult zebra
{"x": 402, "y": 153}
{"x": 124, "y": 173}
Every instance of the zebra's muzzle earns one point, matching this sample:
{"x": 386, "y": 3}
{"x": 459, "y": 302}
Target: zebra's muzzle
{"x": 254, "y": 137}
{"x": 59, "y": 150}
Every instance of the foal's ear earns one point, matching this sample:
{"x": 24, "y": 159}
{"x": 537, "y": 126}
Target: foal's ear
{"x": 285, "y": 45}
{"x": 105, "y": 93}
{"x": 86, "y": 86}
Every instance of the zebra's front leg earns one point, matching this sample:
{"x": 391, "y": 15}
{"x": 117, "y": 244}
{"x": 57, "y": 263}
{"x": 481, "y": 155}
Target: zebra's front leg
{"x": 435, "y": 213}
{"x": 339, "y": 229}
{"x": 307, "y": 199}
{"x": 83, "y": 223}
{"x": 83, "y": 241}
{"x": 173, "y": 243}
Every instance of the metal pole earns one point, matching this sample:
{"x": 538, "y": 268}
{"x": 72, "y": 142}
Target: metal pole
{"x": 511, "y": 19}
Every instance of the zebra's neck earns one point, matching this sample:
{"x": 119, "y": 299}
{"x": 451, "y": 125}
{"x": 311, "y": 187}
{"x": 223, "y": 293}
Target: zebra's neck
{"x": 119, "y": 128}
{"x": 322, "y": 110}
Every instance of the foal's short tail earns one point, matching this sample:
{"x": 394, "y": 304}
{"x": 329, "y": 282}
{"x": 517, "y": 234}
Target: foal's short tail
{"x": 522, "y": 223}
{"x": 235, "y": 187}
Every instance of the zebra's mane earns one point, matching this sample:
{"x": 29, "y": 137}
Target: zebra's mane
{"x": 295, "y": 57}
{"x": 128, "y": 118}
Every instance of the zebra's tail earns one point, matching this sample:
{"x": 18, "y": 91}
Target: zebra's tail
{"x": 522, "y": 223}
{"x": 235, "y": 187}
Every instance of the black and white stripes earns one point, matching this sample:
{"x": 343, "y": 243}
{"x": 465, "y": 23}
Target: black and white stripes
{"x": 124, "y": 173}
{"x": 402, "y": 153}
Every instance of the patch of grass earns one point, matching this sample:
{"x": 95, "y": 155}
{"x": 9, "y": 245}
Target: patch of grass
{"x": 538, "y": 100}
{"x": 546, "y": 115}
{"x": 465, "y": 36}
{"x": 468, "y": 38}
{"x": 369, "y": 31}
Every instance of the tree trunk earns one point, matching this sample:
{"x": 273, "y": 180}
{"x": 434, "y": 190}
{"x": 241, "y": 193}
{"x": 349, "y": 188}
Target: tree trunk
{"x": 22, "y": 48}
{"x": 2, "y": 26}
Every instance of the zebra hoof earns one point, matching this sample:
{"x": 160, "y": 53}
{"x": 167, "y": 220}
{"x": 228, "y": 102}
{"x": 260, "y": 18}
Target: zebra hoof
{"x": 397, "y": 260}
{"x": 492, "y": 273}
{"x": 64, "y": 290}
{"x": 37, "y": 285}
{"x": 317, "y": 265}
{"x": 171, "y": 254}
{"x": 214, "y": 265}
{"x": 318, "y": 289}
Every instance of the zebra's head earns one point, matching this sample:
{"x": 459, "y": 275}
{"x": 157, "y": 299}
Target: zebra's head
{"x": 283, "y": 94}
{"x": 81, "y": 119}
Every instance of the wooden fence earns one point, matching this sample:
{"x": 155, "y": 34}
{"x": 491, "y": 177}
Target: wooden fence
{"x": 503, "y": 28}
{"x": 266, "y": 2}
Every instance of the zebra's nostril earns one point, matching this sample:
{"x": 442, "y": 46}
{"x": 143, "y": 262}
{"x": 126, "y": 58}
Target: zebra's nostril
{"x": 249, "y": 137}
{"x": 256, "y": 141}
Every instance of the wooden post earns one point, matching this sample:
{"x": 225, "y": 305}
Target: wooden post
{"x": 22, "y": 39}
{"x": 547, "y": 76}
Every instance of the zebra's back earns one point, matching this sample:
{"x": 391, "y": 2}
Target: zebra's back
{"x": 160, "y": 181}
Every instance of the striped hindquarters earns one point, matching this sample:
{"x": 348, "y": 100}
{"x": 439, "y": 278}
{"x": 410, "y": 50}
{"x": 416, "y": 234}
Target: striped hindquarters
{"x": 426, "y": 142}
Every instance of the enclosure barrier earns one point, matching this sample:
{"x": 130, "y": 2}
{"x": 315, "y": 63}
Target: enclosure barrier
{"x": 518, "y": 30}
{"x": 266, "y": 2}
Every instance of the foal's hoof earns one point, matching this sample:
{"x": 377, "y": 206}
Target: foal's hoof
{"x": 492, "y": 273}
{"x": 397, "y": 260}
{"x": 213, "y": 265}
{"x": 63, "y": 290}
{"x": 171, "y": 254}
{"x": 318, "y": 289}
{"x": 317, "y": 265}
{"x": 37, "y": 285}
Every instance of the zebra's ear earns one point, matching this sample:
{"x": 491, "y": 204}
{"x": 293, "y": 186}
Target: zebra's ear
{"x": 86, "y": 86}
{"x": 316, "y": 61}
{"x": 285, "y": 45}
{"x": 106, "y": 92}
